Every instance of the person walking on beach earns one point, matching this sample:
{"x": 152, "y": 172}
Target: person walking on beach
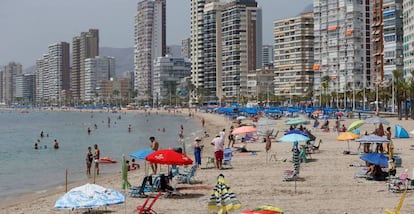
{"x": 202, "y": 122}
{"x": 97, "y": 156}
{"x": 89, "y": 159}
{"x": 231, "y": 138}
{"x": 154, "y": 147}
{"x": 218, "y": 144}
{"x": 197, "y": 151}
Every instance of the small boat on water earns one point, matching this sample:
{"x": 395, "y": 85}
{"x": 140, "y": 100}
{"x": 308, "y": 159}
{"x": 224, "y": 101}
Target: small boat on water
{"x": 105, "y": 160}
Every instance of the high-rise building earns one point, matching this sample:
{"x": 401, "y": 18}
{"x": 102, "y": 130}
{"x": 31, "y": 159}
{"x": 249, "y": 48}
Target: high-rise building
{"x": 377, "y": 28}
{"x": 408, "y": 29}
{"x": 185, "y": 48}
{"x": 241, "y": 45}
{"x": 11, "y": 70}
{"x": 25, "y": 88}
{"x": 212, "y": 48}
{"x": 150, "y": 43}
{"x": 343, "y": 47}
{"x": 293, "y": 65}
{"x": 53, "y": 73}
{"x": 167, "y": 72}
{"x": 97, "y": 69}
{"x": 84, "y": 46}
{"x": 226, "y": 45}
{"x": 393, "y": 37}
{"x": 267, "y": 55}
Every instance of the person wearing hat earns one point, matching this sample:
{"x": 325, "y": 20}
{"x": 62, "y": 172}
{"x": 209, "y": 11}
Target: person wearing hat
{"x": 197, "y": 150}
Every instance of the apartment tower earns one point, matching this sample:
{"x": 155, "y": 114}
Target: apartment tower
{"x": 150, "y": 43}
{"x": 293, "y": 64}
{"x": 343, "y": 47}
{"x": 84, "y": 46}
{"x": 53, "y": 73}
{"x": 11, "y": 70}
{"x": 408, "y": 23}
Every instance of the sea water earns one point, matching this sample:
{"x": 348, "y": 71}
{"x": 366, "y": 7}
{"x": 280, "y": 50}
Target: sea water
{"x": 26, "y": 170}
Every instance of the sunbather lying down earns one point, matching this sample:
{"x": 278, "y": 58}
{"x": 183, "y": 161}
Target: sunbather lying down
{"x": 241, "y": 148}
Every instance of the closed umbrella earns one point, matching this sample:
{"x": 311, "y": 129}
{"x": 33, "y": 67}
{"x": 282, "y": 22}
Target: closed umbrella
{"x": 296, "y": 158}
{"x": 125, "y": 183}
{"x": 222, "y": 198}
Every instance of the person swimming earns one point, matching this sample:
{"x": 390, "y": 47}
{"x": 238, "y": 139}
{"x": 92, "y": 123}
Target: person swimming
{"x": 55, "y": 144}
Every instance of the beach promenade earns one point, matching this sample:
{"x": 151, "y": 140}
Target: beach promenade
{"x": 328, "y": 185}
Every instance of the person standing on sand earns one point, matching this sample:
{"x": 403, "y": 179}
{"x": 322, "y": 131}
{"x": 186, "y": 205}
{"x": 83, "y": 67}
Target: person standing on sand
{"x": 97, "y": 156}
{"x": 218, "y": 144}
{"x": 203, "y": 122}
{"x": 89, "y": 159}
{"x": 197, "y": 151}
{"x": 154, "y": 147}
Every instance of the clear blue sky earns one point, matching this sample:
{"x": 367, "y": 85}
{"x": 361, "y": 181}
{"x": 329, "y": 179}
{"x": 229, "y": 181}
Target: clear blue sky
{"x": 29, "y": 26}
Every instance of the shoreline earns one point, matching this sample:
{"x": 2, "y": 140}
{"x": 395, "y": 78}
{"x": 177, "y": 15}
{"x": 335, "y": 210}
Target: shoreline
{"x": 329, "y": 185}
{"x": 18, "y": 198}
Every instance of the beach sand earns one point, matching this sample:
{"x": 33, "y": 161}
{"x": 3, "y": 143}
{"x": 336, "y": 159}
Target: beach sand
{"x": 328, "y": 187}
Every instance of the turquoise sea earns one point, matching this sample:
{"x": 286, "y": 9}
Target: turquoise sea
{"x": 24, "y": 169}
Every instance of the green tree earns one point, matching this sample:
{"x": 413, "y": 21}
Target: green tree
{"x": 399, "y": 90}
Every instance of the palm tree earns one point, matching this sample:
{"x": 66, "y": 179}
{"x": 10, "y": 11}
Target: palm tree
{"x": 411, "y": 93}
{"x": 325, "y": 85}
{"x": 399, "y": 89}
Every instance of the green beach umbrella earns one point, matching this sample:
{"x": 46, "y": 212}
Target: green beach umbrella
{"x": 125, "y": 183}
{"x": 355, "y": 125}
{"x": 295, "y": 121}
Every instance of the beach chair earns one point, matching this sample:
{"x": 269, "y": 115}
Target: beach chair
{"x": 228, "y": 154}
{"x": 143, "y": 209}
{"x": 399, "y": 184}
{"x": 146, "y": 186}
{"x": 400, "y": 203}
{"x": 210, "y": 160}
{"x": 185, "y": 177}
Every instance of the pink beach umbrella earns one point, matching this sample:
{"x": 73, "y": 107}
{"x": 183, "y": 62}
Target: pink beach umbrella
{"x": 244, "y": 129}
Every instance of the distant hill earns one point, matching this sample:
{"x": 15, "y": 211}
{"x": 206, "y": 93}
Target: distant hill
{"x": 124, "y": 58}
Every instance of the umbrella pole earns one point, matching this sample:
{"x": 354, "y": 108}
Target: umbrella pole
{"x": 294, "y": 178}
{"x": 66, "y": 180}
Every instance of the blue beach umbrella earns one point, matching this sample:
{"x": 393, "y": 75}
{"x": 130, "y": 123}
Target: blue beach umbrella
{"x": 296, "y": 121}
{"x": 89, "y": 196}
{"x": 293, "y": 138}
{"x": 141, "y": 154}
{"x": 376, "y": 159}
{"x": 296, "y": 131}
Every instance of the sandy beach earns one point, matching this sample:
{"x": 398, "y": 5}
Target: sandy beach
{"x": 328, "y": 184}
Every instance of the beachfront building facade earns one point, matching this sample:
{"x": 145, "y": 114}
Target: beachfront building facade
{"x": 260, "y": 84}
{"x": 25, "y": 88}
{"x": 408, "y": 28}
{"x": 377, "y": 41}
{"x": 97, "y": 69}
{"x": 11, "y": 71}
{"x": 293, "y": 64}
{"x": 84, "y": 46}
{"x": 343, "y": 49}
{"x": 150, "y": 43}
{"x": 113, "y": 90}
{"x": 393, "y": 37}
{"x": 53, "y": 74}
{"x": 168, "y": 71}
